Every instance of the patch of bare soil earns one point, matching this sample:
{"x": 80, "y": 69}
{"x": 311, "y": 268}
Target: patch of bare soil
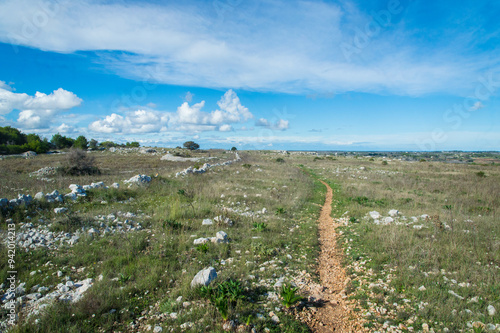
{"x": 328, "y": 309}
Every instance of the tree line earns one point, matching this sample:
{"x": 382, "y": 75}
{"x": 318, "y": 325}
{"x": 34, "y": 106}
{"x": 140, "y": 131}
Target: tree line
{"x": 13, "y": 141}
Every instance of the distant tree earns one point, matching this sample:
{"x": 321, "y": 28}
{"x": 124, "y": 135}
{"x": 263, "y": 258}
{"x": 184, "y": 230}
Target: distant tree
{"x": 12, "y": 136}
{"x": 81, "y": 143}
{"x": 107, "y": 144}
{"x": 133, "y": 144}
{"x": 34, "y": 143}
{"x": 59, "y": 141}
{"x": 191, "y": 145}
{"x": 234, "y": 149}
{"x": 93, "y": 144}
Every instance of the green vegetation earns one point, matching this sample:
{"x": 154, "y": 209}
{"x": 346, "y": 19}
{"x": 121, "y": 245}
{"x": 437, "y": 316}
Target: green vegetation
{"x": 12, "y": 141}
{"x": 144, "y": 272}
{"x": 289, "y": 295}
{"x": 191, "y": 145}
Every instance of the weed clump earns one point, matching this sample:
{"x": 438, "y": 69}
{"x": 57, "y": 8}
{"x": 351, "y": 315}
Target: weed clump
{"x": 289, "y": 295}
{"x": 79, "y": 163}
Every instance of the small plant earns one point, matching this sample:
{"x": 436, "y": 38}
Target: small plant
{"x": 371, "y": 159}
{"x": 289, "y": 295}
{"x": 222, "y": 306}
{"x": 481, "y": 174}
{"x": 423, "y": 160}
{"x": 187, "y": 196}
{"x": 249, "y": 320}
{"x": 280, "y": 160}
{"x": 172, "y": 224}
{"x": 231, "y": 289}
{"x": 206, "y": 291}
{"x": 203, "y": 248}
{"x": 225, "y": 294}
{"x": 247, "y": 166}
{"x": 384, "y": 163}
{"x": 123, "y": 278}
{"x": 352, "y": 219}
{"x": 280, "y": 211}
{"x": 260, "y": 226}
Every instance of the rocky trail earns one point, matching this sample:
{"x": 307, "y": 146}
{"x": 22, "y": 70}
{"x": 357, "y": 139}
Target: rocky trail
{"x": 335, "y": 312}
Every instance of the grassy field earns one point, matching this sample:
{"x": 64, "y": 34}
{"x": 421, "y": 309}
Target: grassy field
{"x": 143, "y": 277}
{"x": 432, "y": 266}
{"x": 419, "y": 272}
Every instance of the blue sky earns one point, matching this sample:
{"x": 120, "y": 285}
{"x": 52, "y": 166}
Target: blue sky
{"x": 333, "y": 75}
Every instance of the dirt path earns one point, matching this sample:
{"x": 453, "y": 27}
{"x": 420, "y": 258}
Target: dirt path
{"x": 334, "y": 313}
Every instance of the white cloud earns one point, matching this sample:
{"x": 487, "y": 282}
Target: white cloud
{"x": 478, "y": 105}
{"x": 37, "y": 111}
{"x": 191, "y": 114}
{"x": 66, "y": 129}
{"x": 60, "y": 99}
{"x": 5, "y": 86}
{"x": 262, "y": 122}
{"x": 225, "y": 128}
{"x": 185, "y": 45}
{"x": 137, "y": 122}
{"x": 189, "y": 97}
{"x": 10, "y": 101}
{"x": 230, "y": 111}
{"x": 282, "y": 124}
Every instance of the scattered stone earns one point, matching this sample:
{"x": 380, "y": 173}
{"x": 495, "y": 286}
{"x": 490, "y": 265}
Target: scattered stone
{"x": 138, "y": 180}
{"x": 393, "y": 212}
{"x": 204, "y": 277}
{"x": 491, "y": 310}
{"x": 200, "y": 241}
{"x": 60, "y": 210}
{"x": 229, "y": 326}
{"x": 207, "y": 222}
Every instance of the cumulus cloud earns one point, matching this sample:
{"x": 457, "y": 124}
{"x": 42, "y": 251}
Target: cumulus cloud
{"x": 66, "y": 129}
{"x": 230, "y": 111}
{"x": 225, "y": 128}
{"x": 282, "y": 124}
{"x": 59, "y": 99}
{"x": 137, "y": 122}
{"x": 187, "y": 118}
{"x": 262, "y": 122}
{"x": 35, "y": 118}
